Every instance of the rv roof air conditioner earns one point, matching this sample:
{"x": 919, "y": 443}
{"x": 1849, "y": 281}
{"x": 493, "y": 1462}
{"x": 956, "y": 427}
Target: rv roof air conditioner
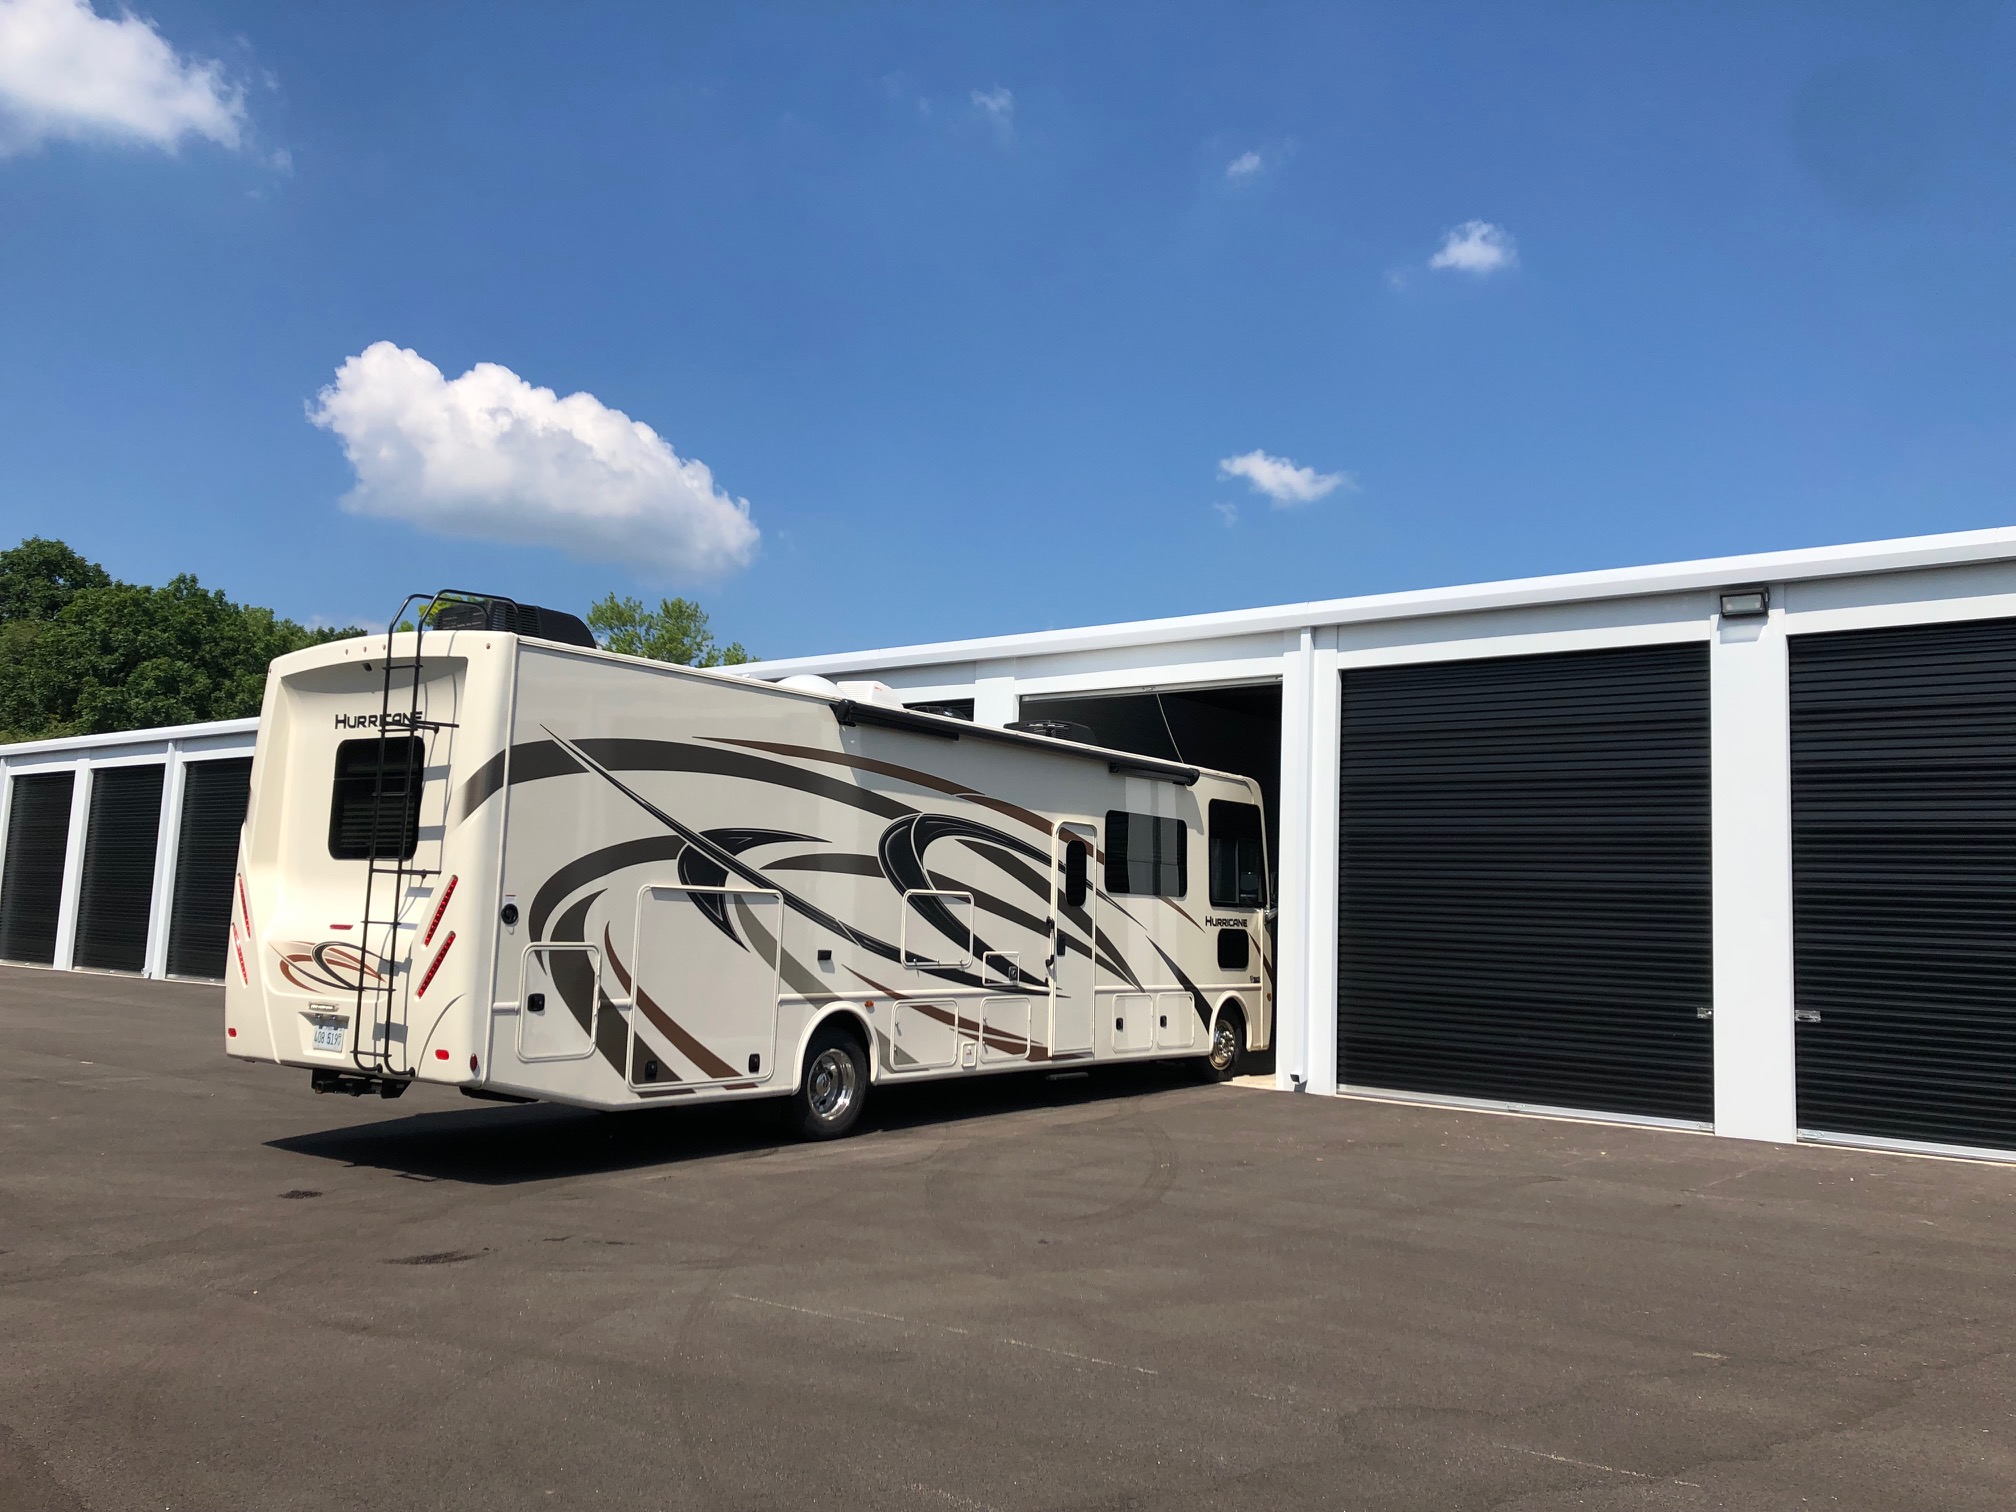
{"x": 514, "y": 618}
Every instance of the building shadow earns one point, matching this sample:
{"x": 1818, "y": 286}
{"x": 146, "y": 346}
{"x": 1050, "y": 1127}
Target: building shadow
{"x": 487, "y": 1145}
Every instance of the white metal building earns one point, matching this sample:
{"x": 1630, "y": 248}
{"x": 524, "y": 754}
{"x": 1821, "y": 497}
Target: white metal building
{"x": 1726, "y": 844}
{"x": 119, "y": 850}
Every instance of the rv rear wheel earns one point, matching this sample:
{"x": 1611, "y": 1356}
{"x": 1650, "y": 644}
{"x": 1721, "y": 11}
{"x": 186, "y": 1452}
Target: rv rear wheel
{"x": 832, "y": 1087}
{"x": 1228, "y": 1045}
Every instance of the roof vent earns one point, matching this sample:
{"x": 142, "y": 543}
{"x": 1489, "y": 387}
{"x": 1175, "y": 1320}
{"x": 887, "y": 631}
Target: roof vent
{"x": 872, "y": 693}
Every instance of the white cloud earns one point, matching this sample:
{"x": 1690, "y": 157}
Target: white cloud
{"x": 68, "y": 72}
{"x": 1476, "y": 247}
{"x": 1229, "y": 513}
{"x": 1282, "y": 481}
{"x": 996, "y": 106}
{"x": 490, "y": 457}
{"x": 1244, "y": 166}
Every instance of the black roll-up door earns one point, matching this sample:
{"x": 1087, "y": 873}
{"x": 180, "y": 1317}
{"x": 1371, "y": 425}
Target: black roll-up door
{"x": 1525, "y": 881}
{"x": 116, "y": 893}
{"x": 31, "y": 879}
{"x": 214, "y": 795}
{"x": 1904, "y": 882}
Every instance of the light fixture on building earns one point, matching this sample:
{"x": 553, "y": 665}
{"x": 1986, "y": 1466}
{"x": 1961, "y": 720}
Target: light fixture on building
{"x": 1746, "y": 603}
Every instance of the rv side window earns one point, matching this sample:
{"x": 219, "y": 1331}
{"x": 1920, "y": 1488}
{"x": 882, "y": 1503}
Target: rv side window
{"x": 1238, "y": 868}
{"x": 1075, "y": 873}
{"x": 358, "y": 793}
{"x": 1146, "y": 855}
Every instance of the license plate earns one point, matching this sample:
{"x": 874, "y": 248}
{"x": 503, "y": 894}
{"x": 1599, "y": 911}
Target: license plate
{"x": 329, "y": 1034}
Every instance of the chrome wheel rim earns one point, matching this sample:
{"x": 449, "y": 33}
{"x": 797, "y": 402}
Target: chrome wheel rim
{"x": 831, "y": 1084}
{"x": 1224, "y": 1047}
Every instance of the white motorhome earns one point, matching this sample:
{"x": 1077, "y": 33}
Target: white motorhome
{"x": 492, "y": 856}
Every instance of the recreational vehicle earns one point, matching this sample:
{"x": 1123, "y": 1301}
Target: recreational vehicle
{"x": 487, "y": 854}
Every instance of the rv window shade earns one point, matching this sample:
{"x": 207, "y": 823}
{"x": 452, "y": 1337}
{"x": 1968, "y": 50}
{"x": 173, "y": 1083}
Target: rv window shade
{"x": 359, "y": 795}
{"x": 1238, "y": 865}
{"x": 1145, "y": 855}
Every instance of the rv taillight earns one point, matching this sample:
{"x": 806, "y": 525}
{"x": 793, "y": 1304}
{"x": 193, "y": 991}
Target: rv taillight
{"x": 440, "y": 1055}
{"x": 230, "y": 1033}
{"x": 439, "y": 909}
{"x": 439, "y": 956}
{"x": 473, "y": 1065}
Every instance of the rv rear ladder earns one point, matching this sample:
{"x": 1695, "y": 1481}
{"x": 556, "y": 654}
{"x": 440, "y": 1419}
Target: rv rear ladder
{"x": 377, "y": 1045}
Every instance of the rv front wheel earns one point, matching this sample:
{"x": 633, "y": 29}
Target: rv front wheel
{"x": 833, "y": 1087}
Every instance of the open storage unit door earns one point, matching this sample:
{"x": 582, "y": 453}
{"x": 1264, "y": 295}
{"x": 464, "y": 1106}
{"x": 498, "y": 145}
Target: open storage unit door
{"x": 1904, "y": 883}
{"x": 115, "y": 897}
{"x": 31, "y": 879}
{"x": 1525, "y": 882}
{"x": 214, "y": 795}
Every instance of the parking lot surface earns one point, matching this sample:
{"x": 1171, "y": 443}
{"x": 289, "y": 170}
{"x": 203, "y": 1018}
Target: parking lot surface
{"x": 1126, "y": 1291}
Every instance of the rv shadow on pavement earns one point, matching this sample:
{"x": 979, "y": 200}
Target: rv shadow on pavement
{"x": 486, "y": 1145}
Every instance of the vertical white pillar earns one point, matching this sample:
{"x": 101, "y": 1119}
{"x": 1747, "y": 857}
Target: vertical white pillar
{"x": 1751, "y": 776}
{"x": 1325, "y": 758}
{"x": 1291, "y": 922}
{"x": 73, "y": 866}
{"x": 161, "y": 906}
{"x": 994, "y": 699}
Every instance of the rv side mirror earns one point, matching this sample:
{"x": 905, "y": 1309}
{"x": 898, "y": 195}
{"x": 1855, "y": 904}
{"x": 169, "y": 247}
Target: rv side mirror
{"x": 1075, "y": 856}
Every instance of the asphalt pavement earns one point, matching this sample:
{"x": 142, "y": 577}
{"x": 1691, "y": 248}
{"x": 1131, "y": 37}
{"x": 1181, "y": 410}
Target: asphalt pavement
{"x": 1128, "y": 1290}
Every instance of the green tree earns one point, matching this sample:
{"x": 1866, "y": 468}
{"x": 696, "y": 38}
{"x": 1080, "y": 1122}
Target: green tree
{"x": 91, "y": 654}
{"x": 38, "y": 577}
{"x": 676, "y": 631}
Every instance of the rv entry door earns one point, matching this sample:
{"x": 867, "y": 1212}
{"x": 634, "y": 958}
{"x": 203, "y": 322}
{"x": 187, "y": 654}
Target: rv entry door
{"x": 1074, "y": 933}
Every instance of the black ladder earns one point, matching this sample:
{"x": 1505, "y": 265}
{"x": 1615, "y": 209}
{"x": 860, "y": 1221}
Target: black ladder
{"x": 383, "y": 989}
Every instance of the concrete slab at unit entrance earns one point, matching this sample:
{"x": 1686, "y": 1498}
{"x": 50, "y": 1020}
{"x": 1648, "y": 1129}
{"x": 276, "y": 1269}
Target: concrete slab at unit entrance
{"x": 1124, "y": 1290}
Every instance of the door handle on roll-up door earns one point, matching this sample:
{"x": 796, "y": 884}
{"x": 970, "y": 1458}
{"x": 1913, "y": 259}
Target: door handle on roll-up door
{"x": 535, "y": 1002}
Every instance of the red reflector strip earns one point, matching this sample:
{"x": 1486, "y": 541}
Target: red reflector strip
{"x": 238, "y": 946}
{"x": 244, "y": 905}
{"x": 440, "y": 1055}
{"x": 439, "y": 956}
{"x": 439, "y": 909}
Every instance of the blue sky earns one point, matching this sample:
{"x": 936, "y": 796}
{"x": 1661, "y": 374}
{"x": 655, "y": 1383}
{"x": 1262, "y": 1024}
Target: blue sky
{"x": 973, "y": 305}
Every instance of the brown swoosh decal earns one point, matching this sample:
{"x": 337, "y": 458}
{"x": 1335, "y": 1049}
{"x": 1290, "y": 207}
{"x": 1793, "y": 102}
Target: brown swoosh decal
{"x": 891, "y": 769}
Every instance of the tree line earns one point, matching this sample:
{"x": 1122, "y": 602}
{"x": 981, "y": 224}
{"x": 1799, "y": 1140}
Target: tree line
{"x": 82, "y": 653}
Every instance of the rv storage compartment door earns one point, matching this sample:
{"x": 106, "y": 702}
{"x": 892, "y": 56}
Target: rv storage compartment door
{"x": 562, "y": 1002}
{"x": 704, "y": 997}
